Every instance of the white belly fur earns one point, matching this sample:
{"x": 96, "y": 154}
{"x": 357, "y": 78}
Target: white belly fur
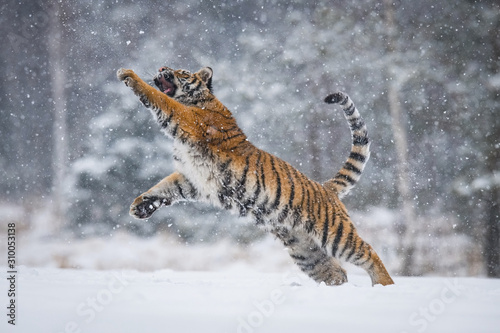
{"x": 200, "y": 171}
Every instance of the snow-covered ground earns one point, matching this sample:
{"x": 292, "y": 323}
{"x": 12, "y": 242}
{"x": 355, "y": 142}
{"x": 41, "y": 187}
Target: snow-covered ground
{"x": 241, "y": 299}
{"x": 120, "y": 284}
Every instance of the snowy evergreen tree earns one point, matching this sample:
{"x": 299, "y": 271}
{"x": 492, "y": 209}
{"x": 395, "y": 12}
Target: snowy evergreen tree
{"x": 124, "y": 155}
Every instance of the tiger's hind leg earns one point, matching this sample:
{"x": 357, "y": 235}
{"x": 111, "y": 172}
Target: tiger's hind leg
{"x": 171, "y": 189}
{"x": 369, "y": 260}
{"x": 360, "y": 253}
{"x": 310, "y": 258}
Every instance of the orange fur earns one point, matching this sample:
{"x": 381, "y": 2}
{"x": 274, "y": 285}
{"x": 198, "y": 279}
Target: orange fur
{"x": 217, "y": 163}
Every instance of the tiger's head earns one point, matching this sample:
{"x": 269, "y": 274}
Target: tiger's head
{"x": 185, "y": 87}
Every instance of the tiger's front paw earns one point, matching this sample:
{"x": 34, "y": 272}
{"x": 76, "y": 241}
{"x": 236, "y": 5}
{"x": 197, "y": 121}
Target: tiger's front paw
{"x": 144, "y": 206}
{"x": 127, "y": 76}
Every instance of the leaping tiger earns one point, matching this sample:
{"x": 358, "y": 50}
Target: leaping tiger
{"x": 216, "y": 163}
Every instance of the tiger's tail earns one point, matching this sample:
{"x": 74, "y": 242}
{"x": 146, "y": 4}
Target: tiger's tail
{"x": 350, "y": 173}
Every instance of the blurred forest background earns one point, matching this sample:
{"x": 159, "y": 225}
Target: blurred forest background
{"x": 77, "y": 146}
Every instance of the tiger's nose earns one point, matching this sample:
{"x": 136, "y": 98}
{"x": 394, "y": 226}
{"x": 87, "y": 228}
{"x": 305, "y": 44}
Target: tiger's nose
{"x": 162, "y": 69}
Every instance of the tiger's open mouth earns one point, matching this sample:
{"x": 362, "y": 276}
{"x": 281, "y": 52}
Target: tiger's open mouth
{"x": 162, "y": 81}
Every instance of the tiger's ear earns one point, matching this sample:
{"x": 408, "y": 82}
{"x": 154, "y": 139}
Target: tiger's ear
{"x": 206, "y": 75}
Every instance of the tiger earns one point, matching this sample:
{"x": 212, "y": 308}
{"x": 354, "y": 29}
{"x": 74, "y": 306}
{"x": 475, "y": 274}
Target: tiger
{"x": 216, "y": 163}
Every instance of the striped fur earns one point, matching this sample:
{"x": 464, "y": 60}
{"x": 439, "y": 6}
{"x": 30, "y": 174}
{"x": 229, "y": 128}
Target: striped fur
{"x": 350, "y": 173}
{"x": 216, "y": 163}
